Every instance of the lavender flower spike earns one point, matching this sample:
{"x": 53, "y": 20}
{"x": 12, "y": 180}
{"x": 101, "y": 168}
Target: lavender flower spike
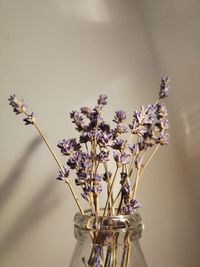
{"x": 102, "y": 100}
{"x": 18, "y": 105}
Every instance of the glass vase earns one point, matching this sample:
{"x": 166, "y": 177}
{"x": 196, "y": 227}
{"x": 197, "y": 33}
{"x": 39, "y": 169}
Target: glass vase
{"x": 108, "y": 241}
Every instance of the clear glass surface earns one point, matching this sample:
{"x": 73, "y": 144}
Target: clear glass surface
{"x": 108, "y": 241}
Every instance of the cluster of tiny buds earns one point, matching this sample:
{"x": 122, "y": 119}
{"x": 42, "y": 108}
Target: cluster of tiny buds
{"x": 150, "y": 125}
{"x": 20, "y": 107}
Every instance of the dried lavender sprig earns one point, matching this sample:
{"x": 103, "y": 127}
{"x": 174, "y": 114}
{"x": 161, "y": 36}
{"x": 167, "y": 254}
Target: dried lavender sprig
{"x": 30, "y": 119}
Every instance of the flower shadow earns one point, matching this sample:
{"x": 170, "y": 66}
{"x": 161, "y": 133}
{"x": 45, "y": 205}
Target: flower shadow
{"x": 42, "y": 204}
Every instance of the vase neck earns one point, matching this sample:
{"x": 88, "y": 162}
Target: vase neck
{"x": 106, "y": 230}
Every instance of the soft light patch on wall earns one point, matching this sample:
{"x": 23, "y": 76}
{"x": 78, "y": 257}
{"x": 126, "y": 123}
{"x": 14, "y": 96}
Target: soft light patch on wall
{"x": 88, "y": 10}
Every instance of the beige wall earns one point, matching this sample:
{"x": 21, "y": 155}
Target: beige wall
{"x": 58, "y": 56}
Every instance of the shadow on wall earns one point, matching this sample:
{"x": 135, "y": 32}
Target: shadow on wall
{"x": 42, "y": 203}
{"x": 16, "y": 172}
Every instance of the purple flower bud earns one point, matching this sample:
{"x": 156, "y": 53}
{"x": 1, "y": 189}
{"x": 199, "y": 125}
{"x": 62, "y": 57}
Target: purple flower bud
{"x": 104, "y": 139}
{"x": 86, "y": 111}
{"x": 87, "y": 191}
{"x": 125, "y": 190}
{"x": 131, "y": 206}
{"x": 83, "y": 177}
{"x": 104, "y": 127}
{"x": 78, "y": 119}
{"x": 102, "y": 100}
{"x": 120, "y": 116}
{"x": 163, "y": 124}
{"x": 74, "y": 159}
{"x": 30, "y": 119}
{"x": 103, "y": 156}
{"x": 85, "y": 137}
{"x": 142, "y": 145}
{"x": 161, "y": 111}
{"x": 163, "y": 139}
{"x": 134, "y": 149}
{"x": 63, "y": 176}
{"x": 97, "y": 189}
{"x": 138, "y": 163}
{"x": 121, "y": 158}
{"x": 118, "y": 144}
{"x": 125, "y": 158}
{"x": 120, "y": 129}
{"x": 117, "y": 156}
{"x": 18, "y": 105}
{"x": 96, "y": 261}
{"x": 107, "y": 176}
{"x": 164, "y": 88}
{"x": 99, "y": 177}
{"x": 68, "y": 146}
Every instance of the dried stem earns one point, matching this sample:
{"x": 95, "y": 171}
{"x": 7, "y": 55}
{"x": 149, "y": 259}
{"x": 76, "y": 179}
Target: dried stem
{"x": 110, "y": 192}
{"x": 60, "y": 166}
{"x": 145, "y": 165}
{"x": 148, "y": 160}
{"x": 134, "y": 189}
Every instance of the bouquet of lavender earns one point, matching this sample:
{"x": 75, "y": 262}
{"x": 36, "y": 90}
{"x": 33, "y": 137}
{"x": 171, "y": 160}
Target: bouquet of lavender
{"x": 130, "y": 147}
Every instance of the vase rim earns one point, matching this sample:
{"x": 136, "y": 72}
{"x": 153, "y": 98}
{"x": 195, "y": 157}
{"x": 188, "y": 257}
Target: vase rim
{"x": 116, "y": 222}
